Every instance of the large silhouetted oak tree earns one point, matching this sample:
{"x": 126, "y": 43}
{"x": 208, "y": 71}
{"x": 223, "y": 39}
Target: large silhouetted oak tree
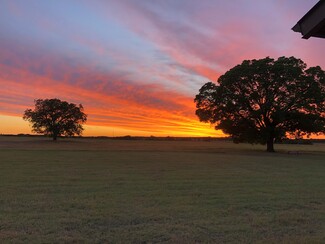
{"x": 260, "y": 101}
{"x": 55, "y": 118}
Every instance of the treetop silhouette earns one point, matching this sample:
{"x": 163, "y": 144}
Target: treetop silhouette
{"x": 260, "y": 101}
{"x": 56, "y": 118}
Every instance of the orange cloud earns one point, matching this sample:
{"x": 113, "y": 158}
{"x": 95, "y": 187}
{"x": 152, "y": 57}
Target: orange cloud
{"x": 137, "y": 108}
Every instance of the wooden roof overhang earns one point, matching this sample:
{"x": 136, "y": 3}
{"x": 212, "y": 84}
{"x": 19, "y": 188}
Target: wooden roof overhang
{"x": 312, "y": 24}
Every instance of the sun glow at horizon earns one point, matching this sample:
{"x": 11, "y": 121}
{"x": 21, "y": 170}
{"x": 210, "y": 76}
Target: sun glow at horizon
{"x": 16, "y": 125}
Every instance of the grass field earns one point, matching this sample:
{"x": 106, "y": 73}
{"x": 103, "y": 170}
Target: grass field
{"x": 99, "y": 191}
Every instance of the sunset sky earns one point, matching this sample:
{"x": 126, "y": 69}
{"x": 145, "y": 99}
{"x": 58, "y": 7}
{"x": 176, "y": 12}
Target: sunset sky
{"x": 136, "y": 65}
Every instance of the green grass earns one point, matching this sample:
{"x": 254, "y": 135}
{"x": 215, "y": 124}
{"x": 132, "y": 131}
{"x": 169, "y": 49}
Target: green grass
{"x": 96, "y": 191}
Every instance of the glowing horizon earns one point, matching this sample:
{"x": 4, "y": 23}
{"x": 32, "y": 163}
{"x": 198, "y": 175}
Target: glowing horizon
{"x": 136, "y": 65}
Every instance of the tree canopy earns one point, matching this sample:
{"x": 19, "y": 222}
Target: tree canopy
{"x": 55, "y": 118}
{"x": 260, "y": 101}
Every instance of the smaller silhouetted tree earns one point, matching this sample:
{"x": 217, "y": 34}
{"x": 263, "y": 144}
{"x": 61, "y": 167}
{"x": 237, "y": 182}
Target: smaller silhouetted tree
{"x": 55, "y": 118}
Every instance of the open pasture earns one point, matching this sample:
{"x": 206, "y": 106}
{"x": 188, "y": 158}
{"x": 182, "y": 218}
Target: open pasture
{"x": 119, "y": 191}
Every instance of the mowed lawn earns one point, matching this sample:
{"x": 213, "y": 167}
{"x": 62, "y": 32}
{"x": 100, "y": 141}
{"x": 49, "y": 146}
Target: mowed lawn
{"x": 110, "y": 191}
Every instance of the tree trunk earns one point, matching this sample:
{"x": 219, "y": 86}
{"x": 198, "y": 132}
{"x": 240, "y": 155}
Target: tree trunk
{"x": 269, "y": 144}
{"x": 55, "y": 136}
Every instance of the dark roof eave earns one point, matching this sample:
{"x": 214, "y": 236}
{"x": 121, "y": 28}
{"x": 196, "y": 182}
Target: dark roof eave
{"x": 312, "y": 22}
{"x": 296, "y": 28}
